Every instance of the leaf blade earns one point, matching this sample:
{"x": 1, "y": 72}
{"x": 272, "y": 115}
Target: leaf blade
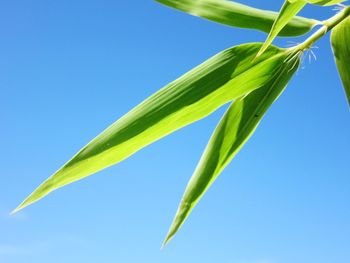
{"x": 287, "y": 12}
{"x": 239, "y": 15}
{"x": 234, "y": 129}
{"x": 189, "y": 98}
{"x": 325, "y": 2}
{"x": 340, "y": 39}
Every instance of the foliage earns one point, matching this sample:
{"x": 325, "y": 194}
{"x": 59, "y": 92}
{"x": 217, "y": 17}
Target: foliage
{"x": 250, "y": 76}
{"x": 340, "y": 38}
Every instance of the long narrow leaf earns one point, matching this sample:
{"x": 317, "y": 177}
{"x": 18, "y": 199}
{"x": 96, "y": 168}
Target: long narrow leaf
{"x": 239, "y": 15}
{"x": 235, "y": 128}
{"x": 340, "y": 38}
{"x": 325, "y": 2}
{"x": 226, "y": 76}
{"x": 287, "y": 12}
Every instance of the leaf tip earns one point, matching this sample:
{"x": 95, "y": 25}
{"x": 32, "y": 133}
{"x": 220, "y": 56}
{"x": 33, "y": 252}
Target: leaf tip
{"x": 165, "y": 242}
{"x": 19, "y": 208}
{"x": 167, "y": 239}
{"x": 14, "y": 211}
{"x": 24, "y": 204}
{"x": 181, "y": 215}
{"x": 37, "y": 194}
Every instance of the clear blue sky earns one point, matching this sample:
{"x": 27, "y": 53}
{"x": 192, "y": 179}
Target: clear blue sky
{"x": 71, "y": 68}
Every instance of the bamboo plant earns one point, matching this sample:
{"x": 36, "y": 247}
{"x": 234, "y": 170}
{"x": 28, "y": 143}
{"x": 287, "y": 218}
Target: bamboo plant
{"x": 250, "y": 76}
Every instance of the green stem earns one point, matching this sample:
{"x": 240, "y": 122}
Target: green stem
{"x": 327, "y": 26}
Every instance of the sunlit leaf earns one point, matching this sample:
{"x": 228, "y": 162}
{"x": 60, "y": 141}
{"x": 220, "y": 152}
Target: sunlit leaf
{"x": 287, "y": 12}
{"x": 340, "y": 38}
{"x": 234, "y": 129}
{"x": 228, "y": 75}
{"x": 239, "y": 15}
{"x": 325, "y": 2}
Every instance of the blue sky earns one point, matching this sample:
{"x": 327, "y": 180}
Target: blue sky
{"x": 71, "y": 68}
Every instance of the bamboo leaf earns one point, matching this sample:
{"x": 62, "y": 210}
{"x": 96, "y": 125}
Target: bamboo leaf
{"x": 226, "y": 76}
{"x": 234, "y": 129}
{"x": 325, "y": 2}
{"x": 286, "y": 14}
{"x": 340, "y": 39}
{"x": 239, "y": 15}
{"x": 288, "y": 11}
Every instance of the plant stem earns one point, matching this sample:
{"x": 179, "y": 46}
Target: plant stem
{"x": 327, "y": 26}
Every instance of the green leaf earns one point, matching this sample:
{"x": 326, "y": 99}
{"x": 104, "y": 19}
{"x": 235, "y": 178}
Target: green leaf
{"x": 234, "y": 129}
{"x": 325, "y": 2}
{"x": 340, "y": 39}
{"x": 239, "y": 15}
{"x": 287, "y": 12}
{"x": 228, "y": 75}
